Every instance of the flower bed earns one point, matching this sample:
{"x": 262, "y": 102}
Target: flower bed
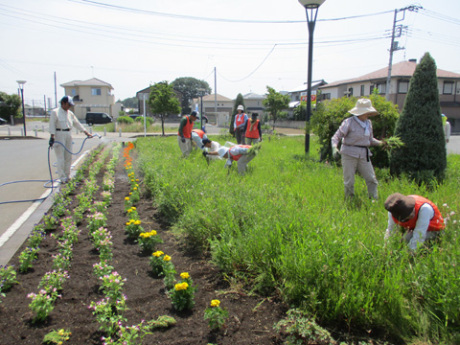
{"x": 250, "y": 319}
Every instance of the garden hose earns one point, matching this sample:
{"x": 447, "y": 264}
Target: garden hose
{"x": 48, "y": 183}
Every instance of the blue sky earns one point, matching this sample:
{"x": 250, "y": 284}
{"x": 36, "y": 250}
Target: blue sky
{"x": 252, "y": 44}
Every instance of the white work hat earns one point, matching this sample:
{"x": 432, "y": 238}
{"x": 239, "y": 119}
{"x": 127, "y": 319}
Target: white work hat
{"x": 222, "y": 151}
{"x": 240, "y": 107}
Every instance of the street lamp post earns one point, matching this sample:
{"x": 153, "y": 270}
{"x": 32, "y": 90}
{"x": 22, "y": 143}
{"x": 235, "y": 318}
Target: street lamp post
{"x": 202, "y": 92}
{"x": 311, "y": 9}
{"x": 21, "y": 87}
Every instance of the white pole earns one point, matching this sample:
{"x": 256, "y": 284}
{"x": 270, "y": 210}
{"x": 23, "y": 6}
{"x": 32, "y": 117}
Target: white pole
{"x": 145, "y": 126}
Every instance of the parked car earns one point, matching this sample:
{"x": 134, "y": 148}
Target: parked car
{"x": 96, "y": 118}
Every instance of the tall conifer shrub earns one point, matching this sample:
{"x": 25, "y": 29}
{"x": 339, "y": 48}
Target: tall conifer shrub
{"x": 423, "y": 156}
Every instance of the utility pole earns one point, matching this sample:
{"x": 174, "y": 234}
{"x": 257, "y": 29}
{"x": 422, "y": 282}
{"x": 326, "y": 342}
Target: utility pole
{"x": 55, "y": 91}
{"x": 397, "y": 32}
{"x": 215, "y": 90}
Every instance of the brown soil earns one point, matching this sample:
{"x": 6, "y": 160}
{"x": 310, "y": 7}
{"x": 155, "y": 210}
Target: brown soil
{"x": 250, "y": 321}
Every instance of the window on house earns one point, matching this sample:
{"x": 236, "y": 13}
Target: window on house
{"x": 371, "y": 89}
{"x": 448, "y": 88}
{"x": 350, "y": 92}
{"x": 361, "y": 93}
{"x": 96, "y": 91}
{"x": 403, "y": 86}
{"x": 73, "y": 92}
{"x": 326, "y": 96}
{"x": 382, "y": 88}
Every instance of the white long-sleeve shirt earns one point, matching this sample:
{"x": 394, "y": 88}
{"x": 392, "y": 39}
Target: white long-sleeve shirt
{"x": 63, "y": 119}
{"x": 425, "y": 214}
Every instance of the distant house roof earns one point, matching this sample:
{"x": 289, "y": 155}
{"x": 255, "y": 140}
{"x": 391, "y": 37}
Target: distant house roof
{"x": 220, "y": 98}
{"x": 89, "y": 82}
{"x": 253, "y": 96}
{"x": 404, "y": 69}
{"x": 304, "y": 87}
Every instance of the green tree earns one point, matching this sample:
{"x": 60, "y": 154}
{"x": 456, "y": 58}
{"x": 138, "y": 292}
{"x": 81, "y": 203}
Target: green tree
{"x": 300, "y": 112}
{"x": 238, "y": 101}
{"x": 163, "y": 101}
{"x": 330, "y": 114}
{"x": 423, "y": 156}
{"x": 275, "y": 103}
{"x": 131, "y": 102}
{"x": 189, "y": 87}
{"x": 9, "y": 105}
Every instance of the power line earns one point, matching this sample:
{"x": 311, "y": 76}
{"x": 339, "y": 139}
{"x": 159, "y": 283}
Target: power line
{"x": 255, "y": 70}
{"x": 210, "y": 19}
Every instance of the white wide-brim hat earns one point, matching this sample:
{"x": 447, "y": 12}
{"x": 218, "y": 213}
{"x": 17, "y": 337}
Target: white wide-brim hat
{"x": 363, "y": 106}
{"x": 240, "y": 107}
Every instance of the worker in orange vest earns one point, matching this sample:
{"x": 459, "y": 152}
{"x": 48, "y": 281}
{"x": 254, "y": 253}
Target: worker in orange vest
{"x": 240, "y": 122}
{"x": 252, "y": 130}
{"x": 198, "y": 136}
{"x": 184, "y": 136}
{"x": 417, "y": 215}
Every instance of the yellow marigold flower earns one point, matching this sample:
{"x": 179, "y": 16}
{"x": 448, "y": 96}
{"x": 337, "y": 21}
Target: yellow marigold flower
{"x": 137, "y": 222}
{"x": 135, "y": 188}
{"x": 137, "y": 180}
{"x": 128, "y": 223}
{"x": 61, "y": 332}
{"x": 181, "y": 286}
{"x": 133, "y": 207}
{"x": 143, "y": 235}
{"x": 166, "y": 258}
{"x": 184, "y": 275}
{"x": 215, "y": 303}
{"x": 132, "y": 180}
{"x": 158, "y": 253}
{"x": 127, "y": 198}
{"x": 129, "y": 210}
{"x": 152, "y": 233}
{"x": 130, "y": 193}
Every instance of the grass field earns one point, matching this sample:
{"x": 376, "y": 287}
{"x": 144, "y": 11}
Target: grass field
{"x": 284, "y": 228}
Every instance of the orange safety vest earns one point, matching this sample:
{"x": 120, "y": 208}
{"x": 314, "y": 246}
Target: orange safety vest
{"x": 187, "y": 130}
{"x": 236, "y": 157}
{"x": 239, "y": 119}
{"x": 199, "y": 132}
{"x": 436, "y": 223}
{"x": 252, "y": 129}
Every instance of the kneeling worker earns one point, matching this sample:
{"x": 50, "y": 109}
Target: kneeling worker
{"x": 416, "y": 214}
{"x": 238, "y": 153}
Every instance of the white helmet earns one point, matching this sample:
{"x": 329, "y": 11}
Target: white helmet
{"x": 240, "y": 107}
{"x": 222, "y": 151}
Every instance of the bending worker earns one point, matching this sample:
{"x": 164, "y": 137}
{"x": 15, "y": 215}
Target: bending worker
{"x": 356, "y": 135}
{"x": 417, "y": 215}
{"x": 240, "y": 122}
{"x": 252, "y": 130}
{"x": 61, "y": 122}
{"x": 185, "y": 133}
{"x": 198, "y": 136}
{"x": 238, "y": 153}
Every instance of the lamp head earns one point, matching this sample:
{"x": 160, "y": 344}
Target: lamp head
{"x": 311, "y": 3}
{"x": 21, "y": 83}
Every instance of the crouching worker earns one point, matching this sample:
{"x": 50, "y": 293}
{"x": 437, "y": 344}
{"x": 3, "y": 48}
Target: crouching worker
{"x": 238, "y": 153}
{"x": 210, "y": 146}
{"x": 417, "y": 215}
{"x": 197, "y": 137}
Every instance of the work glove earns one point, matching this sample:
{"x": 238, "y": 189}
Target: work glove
{"x": 182, "y": 139}
{"x": 51, "y": 141}
{"x": 205, "y": 153}
{"x": 335, "y": 153}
